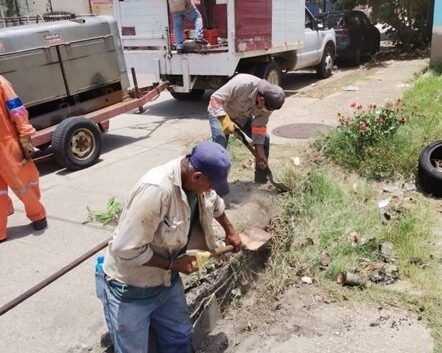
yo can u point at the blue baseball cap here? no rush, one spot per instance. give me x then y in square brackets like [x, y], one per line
[213, 161]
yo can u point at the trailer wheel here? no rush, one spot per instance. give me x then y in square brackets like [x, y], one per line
[325, 68]
[430, 169]
[269, 71]
[194, 95]
[77, 143]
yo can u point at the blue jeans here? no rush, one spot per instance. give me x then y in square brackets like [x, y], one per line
[129, 323]
[220, 138]
[192, 14]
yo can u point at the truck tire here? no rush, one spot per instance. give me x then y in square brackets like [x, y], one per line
[76, 143]
[194, 95]
[430, 169]
[269, 71]
[325, 68]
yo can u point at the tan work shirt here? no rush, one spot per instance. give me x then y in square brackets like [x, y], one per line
[156, 220]
[179, 5]
[237, 99]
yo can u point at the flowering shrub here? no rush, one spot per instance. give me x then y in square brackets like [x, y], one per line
[367, 127]
[366, 140]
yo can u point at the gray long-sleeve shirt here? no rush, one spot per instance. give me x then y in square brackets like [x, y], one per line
[237, 99]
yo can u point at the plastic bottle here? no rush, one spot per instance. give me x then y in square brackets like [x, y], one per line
[99, 264]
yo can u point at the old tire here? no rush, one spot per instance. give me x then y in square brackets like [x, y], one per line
[269, 71]
[77, 143]
[325, 68]
[430, 169]
[194, 95]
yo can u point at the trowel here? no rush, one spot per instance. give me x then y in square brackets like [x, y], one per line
[252, 240]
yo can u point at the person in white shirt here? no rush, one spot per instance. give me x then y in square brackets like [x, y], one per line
[140, 287]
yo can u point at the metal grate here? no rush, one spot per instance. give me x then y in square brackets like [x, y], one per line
[26, 20]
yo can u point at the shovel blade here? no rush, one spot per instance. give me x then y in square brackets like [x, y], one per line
[254, 238]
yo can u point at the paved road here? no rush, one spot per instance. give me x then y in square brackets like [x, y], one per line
[66, 316]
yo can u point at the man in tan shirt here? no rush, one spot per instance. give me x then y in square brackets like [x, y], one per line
[247, 101]
[140, 287]
[180, 10]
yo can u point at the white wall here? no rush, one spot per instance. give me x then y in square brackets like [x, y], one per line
[34, 7]
[77, 6]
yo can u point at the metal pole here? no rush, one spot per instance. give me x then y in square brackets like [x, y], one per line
[30, 292]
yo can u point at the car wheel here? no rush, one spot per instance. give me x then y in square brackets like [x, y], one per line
[356, 57]
[77, 143]
[194, 95]
[325, 68]
[270, 71]
[430, 169]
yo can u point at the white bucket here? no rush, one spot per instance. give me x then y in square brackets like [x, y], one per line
[192, 34]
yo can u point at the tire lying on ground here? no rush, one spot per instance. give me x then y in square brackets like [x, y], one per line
[430, 169]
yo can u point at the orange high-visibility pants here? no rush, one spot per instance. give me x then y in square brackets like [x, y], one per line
[22, 178]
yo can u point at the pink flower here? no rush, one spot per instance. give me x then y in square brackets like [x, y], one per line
[353, 105]
[362, 126]
[381, 121]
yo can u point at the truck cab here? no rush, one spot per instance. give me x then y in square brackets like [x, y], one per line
[319, 49]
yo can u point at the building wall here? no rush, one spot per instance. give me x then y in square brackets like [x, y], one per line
[35, 7]
[436, 44]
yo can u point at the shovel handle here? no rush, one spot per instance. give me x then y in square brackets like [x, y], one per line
[222, 250]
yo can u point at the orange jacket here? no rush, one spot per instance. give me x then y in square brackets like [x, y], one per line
[14, 121]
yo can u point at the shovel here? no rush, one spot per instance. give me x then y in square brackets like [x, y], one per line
[253, 240]
[240, 135]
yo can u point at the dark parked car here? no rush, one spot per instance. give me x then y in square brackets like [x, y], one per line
[356, 36]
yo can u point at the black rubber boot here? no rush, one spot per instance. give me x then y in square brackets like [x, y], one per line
[260, 176]
[40, 225]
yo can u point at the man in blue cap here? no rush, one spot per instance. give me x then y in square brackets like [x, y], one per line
[170, 209]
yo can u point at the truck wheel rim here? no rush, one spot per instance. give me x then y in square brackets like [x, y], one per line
[82, 144]
[328, 63]
[273, 77]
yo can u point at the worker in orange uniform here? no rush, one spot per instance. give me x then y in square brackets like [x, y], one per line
[17, 170]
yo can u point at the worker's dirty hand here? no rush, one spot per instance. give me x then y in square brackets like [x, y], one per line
[185, 264]
[27, 148]
[261, 162]
[227, 125]
[234, 239]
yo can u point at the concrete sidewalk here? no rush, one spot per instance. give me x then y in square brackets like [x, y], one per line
[66, 316]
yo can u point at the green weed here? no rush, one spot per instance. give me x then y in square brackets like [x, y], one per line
[325, 212]
[110, 215]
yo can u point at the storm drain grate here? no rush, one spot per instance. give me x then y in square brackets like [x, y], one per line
[300, 131]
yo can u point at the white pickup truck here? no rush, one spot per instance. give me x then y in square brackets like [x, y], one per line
[261, 37]
[319, 47]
